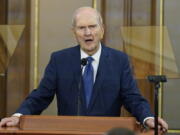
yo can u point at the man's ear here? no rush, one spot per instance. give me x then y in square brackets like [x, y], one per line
[102, 28]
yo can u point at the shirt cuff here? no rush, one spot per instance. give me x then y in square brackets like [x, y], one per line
[144, 121]
[17, 114]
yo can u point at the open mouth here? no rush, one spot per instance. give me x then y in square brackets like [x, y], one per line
[88, 40]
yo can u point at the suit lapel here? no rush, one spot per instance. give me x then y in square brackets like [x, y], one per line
[101, 74]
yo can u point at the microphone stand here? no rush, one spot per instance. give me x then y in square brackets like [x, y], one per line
[156, 79]
[83, 63]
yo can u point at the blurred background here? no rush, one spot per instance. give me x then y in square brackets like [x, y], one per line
[147, 30]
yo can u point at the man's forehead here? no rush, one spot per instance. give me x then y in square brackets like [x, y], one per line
[86, 19]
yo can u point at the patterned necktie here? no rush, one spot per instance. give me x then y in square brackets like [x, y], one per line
[88, 80]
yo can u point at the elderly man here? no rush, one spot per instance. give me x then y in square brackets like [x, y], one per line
[106, 84]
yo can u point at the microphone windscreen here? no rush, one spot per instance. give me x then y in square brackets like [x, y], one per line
[83, 61]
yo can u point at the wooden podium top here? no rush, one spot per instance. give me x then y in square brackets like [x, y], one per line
[70, 125]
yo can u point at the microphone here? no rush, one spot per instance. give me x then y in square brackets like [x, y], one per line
[157, 78]
[83, 63]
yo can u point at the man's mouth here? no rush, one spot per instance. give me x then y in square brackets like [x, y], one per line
[88, 40]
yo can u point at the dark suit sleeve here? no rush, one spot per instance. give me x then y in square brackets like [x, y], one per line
[41, 97]
[132, 99]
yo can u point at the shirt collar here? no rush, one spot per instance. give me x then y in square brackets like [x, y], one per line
[95, 56]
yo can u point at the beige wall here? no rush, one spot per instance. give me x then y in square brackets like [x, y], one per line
[54, 32]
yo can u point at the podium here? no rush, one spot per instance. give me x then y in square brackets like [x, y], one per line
[70, 125]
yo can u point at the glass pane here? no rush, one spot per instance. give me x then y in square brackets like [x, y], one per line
[9, 37]
[142, 43]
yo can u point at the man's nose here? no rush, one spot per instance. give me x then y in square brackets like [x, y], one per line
[87, 31]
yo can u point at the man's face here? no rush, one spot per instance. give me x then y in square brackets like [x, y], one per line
[88, 32]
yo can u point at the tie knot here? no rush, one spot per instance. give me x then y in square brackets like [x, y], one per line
[90, 59]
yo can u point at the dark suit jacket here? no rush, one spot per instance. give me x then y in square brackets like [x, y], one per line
[114, 86]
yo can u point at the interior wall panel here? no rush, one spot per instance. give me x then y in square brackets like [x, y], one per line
[18, 13]
[113, 19]
[3, 60]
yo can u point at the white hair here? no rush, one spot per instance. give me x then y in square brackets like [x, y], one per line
[99, 17]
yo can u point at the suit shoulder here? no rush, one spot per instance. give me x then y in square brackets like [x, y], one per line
[116, 52]
[65, 52]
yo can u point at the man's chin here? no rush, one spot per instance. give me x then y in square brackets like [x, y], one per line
[91, 50]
